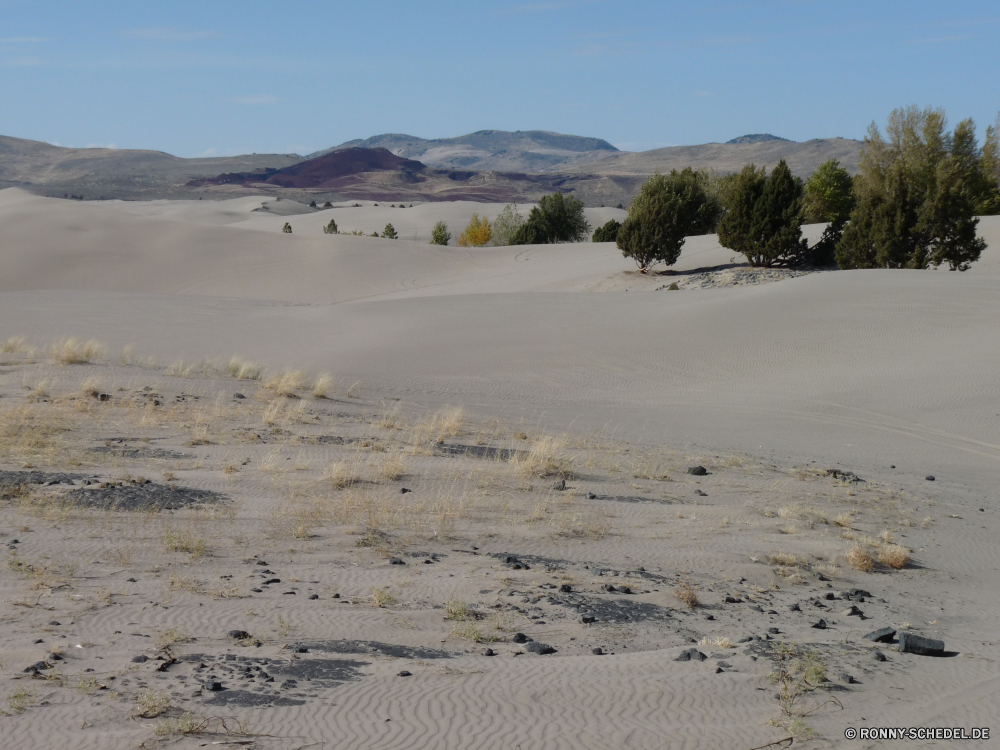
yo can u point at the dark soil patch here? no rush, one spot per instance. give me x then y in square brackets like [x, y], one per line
[136, 454]
[9, 479]
[612, 610]
[374, 648]
[486, 452]
[248, 699]
[151, 496]
[633, 499]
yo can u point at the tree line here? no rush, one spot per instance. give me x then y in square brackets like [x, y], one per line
[913, 204]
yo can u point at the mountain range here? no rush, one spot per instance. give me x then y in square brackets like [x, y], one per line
[488, 165]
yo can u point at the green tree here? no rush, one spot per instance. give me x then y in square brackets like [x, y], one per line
[389, 232]
[667, 209]
[607, 233]
[919, 188]
[331, 228]
[287, 229]
[440, 234]
[829, 198]
[506, 225]
[765, 220]
[556, 218]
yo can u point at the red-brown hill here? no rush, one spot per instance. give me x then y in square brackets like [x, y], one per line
[327, 171]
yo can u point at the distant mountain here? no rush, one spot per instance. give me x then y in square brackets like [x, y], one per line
[490, 150]
[802, 158]
[756, 138]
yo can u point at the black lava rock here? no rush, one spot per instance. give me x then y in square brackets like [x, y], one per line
[882, 635]
[405, 673]
[314, 596]
[587, 619]
[915, 644]
[489, 652]
[238, 635]
[140, 659]
[698, 471]
[539, 648]
[929, 477]
[566, 588]
[396, 561]
[597, 651]
[520, 638]
[213, 687]
[560, 485]
[691, 654]
[878, 656]
[819, 624]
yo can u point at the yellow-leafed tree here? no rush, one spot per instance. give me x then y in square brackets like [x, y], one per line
[477, 233]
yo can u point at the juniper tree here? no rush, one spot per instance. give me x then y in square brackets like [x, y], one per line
[440, 234]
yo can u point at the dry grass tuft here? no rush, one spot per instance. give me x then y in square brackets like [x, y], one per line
[242, 370]
[322, 386]
[844, 520]
[382, 598]
[16, 345]
[719, 641]
[546, 459]
[152, 703]
[784, 559]
[184, 540]
[686, 593]
[893, 555]
[286, 383]
[76, 352]
[860, 559]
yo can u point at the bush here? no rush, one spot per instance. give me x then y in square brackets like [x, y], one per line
[331, 228]
[312, 204]
[556, 218]
[919, 189]
[667, 209]
[506, 225]
[476, 234]
[765, 220]
[440, 234]
[607, 233]
[328, 205]
[287, 229]
[389, 232]
[829, 197]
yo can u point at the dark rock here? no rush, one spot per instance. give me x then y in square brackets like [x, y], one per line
[699, 493]
[821, 577]
[724, 664]
[691, 654]
[287, 593]
[239, 396]
[396, 561]
[625, 589]
[756, 608]
[404, 490]
[314, 596]
[698, 471]
[560, 485]
[262, 562]
[609, 588]
[140, 659]
[37, 667]
[878, 656]
[853, 612]
[520, 638]
[858, 594]
[288, 684]
[257, 591]
[819, 624]
[539, 648]
[335, 596]
[844, 677]
[405, 673]
[830, 596]
[773, 631]
[709, 617]
[587, 619]
[882, 635]
[597, 651]
[238, 635]
[915, 644]
[747, 639]
[55, 623]
[929, 477]
[591, 496]
[213, 687]
[719, 670]
[130, 580]
[566, 588]
[489, 652]
[732, 600]
[300, 650]
[795, 608]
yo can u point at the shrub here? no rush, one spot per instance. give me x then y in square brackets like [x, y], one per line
[440, 234]
[328, 205]
[312, 204]
[765, 220]
[919, 189]
[607, 233]
[667, 209]
[331, 228]
[860, 558]
[556, 218]
[287, 229]
[477, 233]
[389, 232]
[506, 225]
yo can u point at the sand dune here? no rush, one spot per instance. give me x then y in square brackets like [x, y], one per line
[890, 374]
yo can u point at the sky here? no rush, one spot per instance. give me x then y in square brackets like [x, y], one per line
[222, 77]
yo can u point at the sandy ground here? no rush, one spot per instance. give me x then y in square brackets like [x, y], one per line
[567, 365]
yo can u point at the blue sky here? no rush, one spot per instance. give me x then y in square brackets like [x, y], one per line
[226, 76]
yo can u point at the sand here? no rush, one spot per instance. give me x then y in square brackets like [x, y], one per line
[889, 374]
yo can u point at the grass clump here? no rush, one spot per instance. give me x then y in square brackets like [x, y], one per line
[20, 700]
[151, 703]
[860, 559]
[76, 352]
[322, 386]
[184, 541]
[546, 459]
[686, 593]
[286, 383]
[456, 610]
[242, 370]
[894, 555]
[16, 345]
[381, 597]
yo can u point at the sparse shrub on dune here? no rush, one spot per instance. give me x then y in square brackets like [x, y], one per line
[242, 370]
[860, 559]
[331, 228]
[608, 232]
[440, 234]
[76, 352]
[287, 229]
[16, 345]
[322, 386]
[546, 459]
[686, 593]
[389, 233]
[893, 555]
